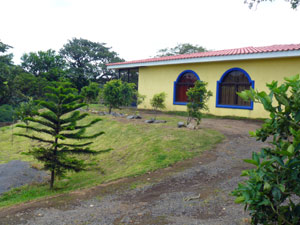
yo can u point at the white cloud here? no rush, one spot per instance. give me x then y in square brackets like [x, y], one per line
[137, 29]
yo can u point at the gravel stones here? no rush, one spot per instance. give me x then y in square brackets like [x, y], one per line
[134, 117]
[155, 121]
[112, 114]
[17, 173]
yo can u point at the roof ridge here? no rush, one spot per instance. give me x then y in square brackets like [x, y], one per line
[224, 52]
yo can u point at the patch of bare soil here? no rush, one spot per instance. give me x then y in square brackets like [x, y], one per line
[195, 191]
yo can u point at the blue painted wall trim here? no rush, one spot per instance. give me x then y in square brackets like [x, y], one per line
[234, 106]
[177, 80]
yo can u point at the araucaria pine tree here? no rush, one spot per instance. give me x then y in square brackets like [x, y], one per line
[60, 122]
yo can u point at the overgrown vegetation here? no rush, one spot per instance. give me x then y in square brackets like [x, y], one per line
[272, 190]
[60, 123]
[197, 101]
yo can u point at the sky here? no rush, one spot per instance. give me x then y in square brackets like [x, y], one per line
[137, 29]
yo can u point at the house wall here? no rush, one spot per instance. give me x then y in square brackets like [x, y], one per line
[158, 79]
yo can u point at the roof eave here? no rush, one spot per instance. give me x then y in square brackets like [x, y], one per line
[266, 55]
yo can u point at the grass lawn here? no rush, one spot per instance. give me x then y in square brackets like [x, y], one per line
[137, 148]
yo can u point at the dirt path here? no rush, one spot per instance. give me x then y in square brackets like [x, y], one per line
[192, 192]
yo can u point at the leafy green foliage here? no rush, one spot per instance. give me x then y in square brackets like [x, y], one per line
[45, 64]
[26, 85]
[5, 72]
[184, 48]
[140, 98]
[87, 61]
[116, 93]
[60, 123]
[6, 113]
[26, 109]
[251, 3]
[90, 92]
[158, 102]
[269, 193]
[197, 101]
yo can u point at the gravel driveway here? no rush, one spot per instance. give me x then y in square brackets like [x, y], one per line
[196, 191]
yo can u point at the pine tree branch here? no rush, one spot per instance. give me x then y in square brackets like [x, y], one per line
[71, 98]
[76, 135]
[52, 97]
[50, 116]
[92, 136]
[74, 145]
[34, 138]
[74, 118]
[79, 151]
[70, 127]
[74, 107]
[49, 105]
[42, 122]
[35, 129]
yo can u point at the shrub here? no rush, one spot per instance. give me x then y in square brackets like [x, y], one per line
[116, 93]
[270, 191]
[90, 93]
[197, 99]
[158, 102]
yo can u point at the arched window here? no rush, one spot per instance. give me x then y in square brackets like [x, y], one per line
[233, 80]
[184, 81]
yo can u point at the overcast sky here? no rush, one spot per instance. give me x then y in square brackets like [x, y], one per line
[137, 29]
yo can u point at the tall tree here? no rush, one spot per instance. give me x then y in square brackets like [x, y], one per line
[26, 85]
[45, 64]
[251, 3]
[87, 61]
[8, 71]
[59, 123]
[179, 49]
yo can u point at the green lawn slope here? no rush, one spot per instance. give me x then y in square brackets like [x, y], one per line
[137, 148]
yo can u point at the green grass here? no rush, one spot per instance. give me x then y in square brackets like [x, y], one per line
[137, 149]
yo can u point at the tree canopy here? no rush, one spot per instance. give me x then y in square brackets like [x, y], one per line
[179, 49]
[6, 74]
[86, 61]
[46, 64]
[251, 3]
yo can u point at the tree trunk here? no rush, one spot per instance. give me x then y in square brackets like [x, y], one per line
[109, 109]
[52, 179]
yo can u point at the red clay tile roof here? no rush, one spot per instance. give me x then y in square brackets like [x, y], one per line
[236, 51]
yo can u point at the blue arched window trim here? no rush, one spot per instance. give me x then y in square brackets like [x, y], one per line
[221, 80]
[175, 84]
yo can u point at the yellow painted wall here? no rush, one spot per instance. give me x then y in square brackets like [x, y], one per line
[156, 79]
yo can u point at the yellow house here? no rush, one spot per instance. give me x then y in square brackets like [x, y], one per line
[226, 71]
